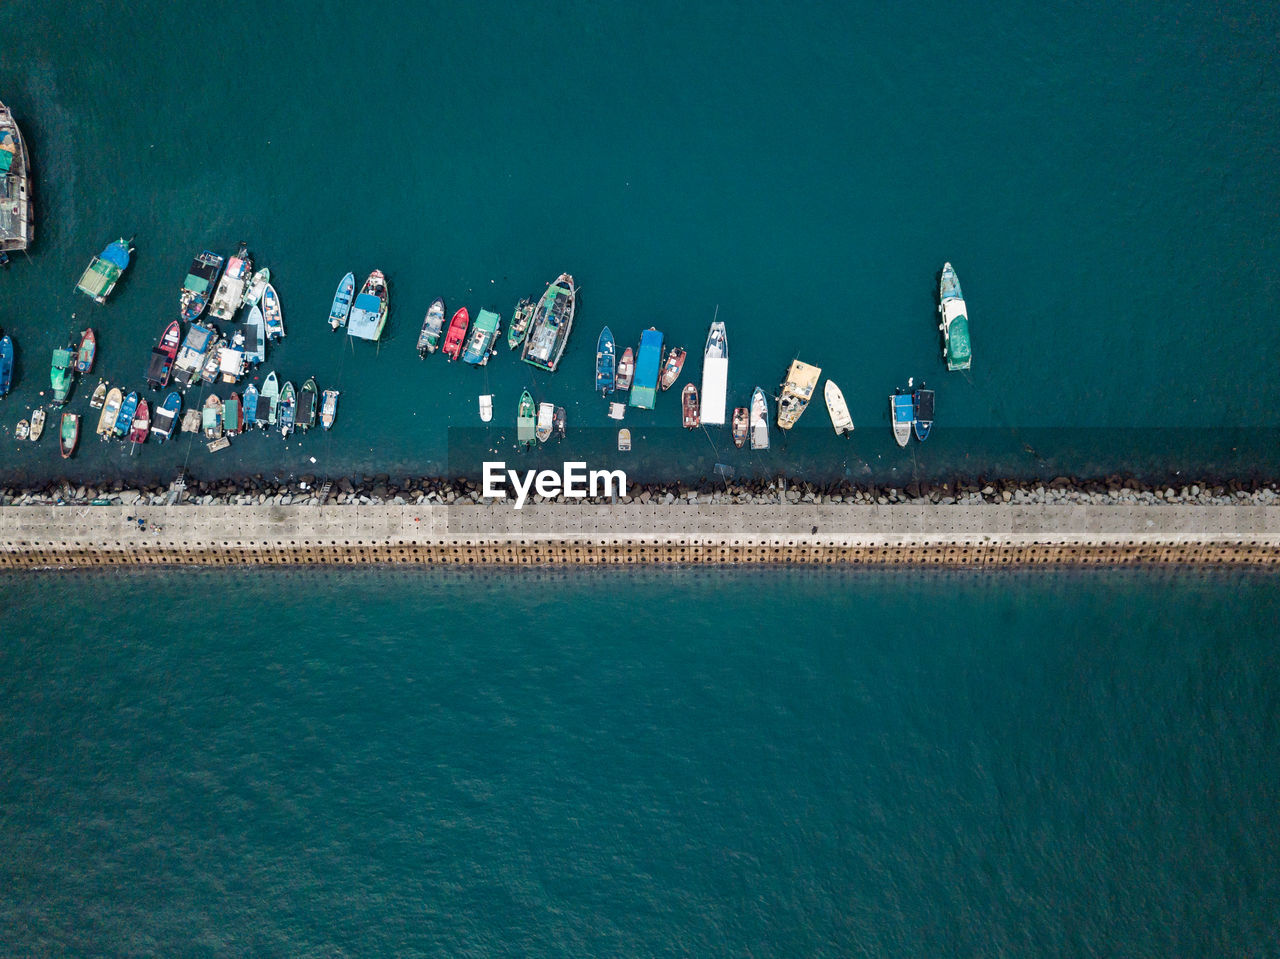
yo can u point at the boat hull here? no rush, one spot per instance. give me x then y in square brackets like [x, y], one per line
[551, 325]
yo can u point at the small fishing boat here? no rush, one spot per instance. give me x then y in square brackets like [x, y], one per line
[922, 413]
[218, 445]
[797, 391]
[432, 328]
[560, 421]
[105, 271]
[903, 413]
[124, 420]
[6, 364]
[617, 411]
[546, 421]
[68, 435]
[37, 423]
[648, 367]
[99, 395]
[741, 420]
[61, 375]
[308, 398]
[22, 431]
[369, 311]
[140, 426]
[167, 416]
[551, 324]
[838, 409]
[520, 323]
[110, 411]
[689, 402]
[249, 411]
[672, 367]
[255, 336]
[232, 415]
[213, 360]
[231, 361]
[526, 432]
[198, 286]
[341, 307]
[17, 228]
[268, 402]
[211, 417]
[272, 315]
[624, 440]
[956, 349]
[480, 342]
[759, 420]
[626, 370]
[457, 333]
[605, 359]
[329, 409]
[715, 375]
[288, 409]
[258, 286]
[160, 367]
[87, 351]
[191, 357]
[231, 288]
[486, 407]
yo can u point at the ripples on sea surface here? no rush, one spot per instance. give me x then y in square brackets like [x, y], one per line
[680, 762]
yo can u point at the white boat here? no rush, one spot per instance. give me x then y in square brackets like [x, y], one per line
[903, 413]
[617, 410]
[624, 440]
[257, 287]
[232, 286]
[22, 430]
[956, 349]
[715, 376]
[546, 420]
[486, 407]
[37, 424]
[839, 410]
[797, 391]
[759, 420]
[272, 314]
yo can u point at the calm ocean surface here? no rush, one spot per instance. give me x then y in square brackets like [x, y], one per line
[1104, 177]
[689, 762]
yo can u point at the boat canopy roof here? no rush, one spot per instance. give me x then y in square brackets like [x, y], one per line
[715, 388]
[117, 254]
[62, 358]
[903, 408]
[487, 320]
[644, 386]
[924, 404]
[958, 349]
[8, 150]
[366, 317]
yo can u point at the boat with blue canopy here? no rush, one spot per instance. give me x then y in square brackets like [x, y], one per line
[644, 388]
[105, 271]
[369, 311]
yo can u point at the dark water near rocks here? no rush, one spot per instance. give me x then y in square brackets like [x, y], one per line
[1104, 179]
[688, 762]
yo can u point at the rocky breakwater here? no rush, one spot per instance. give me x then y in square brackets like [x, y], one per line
[310, 490]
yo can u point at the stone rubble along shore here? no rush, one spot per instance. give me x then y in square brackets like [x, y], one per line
[381, 490]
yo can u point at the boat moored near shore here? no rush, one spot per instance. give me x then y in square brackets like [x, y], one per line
[715, 376]
[198, 286]
[797, 391]
[922, 413]
[369, 311]
[759, 420]
[605, 362]
[232, 286]
[551, 324]
[341, 307]
[432, 329]
[17, 220]
[838, 410]
[955, 321]
[902, 413]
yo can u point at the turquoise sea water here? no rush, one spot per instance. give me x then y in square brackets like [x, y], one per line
[1104, 179]
[773, 763]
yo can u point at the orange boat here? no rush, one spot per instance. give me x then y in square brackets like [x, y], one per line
[457, 334]
[692, 418]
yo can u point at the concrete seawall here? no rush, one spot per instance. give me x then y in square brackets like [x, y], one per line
[87, 536]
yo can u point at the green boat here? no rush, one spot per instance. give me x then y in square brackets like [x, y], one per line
[484, 331]
[60, 374]
[955, 321]
[306, 415]
[103, 273]
[526, 426]
[520, 323]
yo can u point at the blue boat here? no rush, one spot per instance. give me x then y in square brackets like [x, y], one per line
[250, 406]
[644, 390]
[166, 418]
[341, 308]
[124, 419]
[605, 362]
[6, 364]
[104, 272]
[288, 409]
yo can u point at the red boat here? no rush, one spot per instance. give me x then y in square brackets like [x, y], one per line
[84, 356]
[457, 334]
[692, 415]
[141, 423]
[162, 356]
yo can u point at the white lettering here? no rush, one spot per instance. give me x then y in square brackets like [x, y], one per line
[608, 476]
[548, 483]
[575, 479]
[522, 492]
[493, 475]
